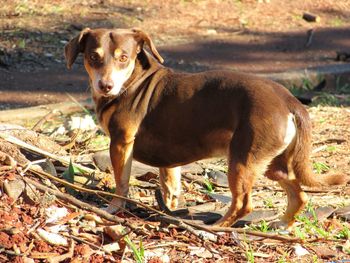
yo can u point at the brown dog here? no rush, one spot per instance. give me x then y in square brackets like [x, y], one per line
[168, 119]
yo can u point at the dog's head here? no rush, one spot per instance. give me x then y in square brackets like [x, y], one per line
[109, 56]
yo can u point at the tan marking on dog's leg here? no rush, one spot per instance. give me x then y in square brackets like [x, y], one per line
[297, 200]
[121, 157]
[170, 181]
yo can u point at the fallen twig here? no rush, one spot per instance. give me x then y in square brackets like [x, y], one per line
[167, 218]
[260, 234]
[184, 224]
[76, 202]
[39, 123]
[32, 148]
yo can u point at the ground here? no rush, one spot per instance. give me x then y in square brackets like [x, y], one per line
[252, 36]
[261, 37]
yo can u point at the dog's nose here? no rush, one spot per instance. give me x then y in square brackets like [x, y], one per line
[105, 86]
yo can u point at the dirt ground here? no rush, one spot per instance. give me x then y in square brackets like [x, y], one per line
[252, 36]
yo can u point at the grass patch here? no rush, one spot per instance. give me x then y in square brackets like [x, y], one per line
[208, 186]
[263, 226]
[268, 203]
[337, 22]
[320, 167]
[311, 226]
[138, 253]
[331, 148]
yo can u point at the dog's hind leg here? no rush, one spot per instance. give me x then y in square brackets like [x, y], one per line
[170, 181]
[247, 159]
[240, 179]
[280, 171]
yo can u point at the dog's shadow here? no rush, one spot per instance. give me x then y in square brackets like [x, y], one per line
[207, 213]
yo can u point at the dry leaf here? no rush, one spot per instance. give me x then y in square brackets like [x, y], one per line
[54, 214]
[300, 251]
[93, 217]
[111, 247]
[114, 232]
[52, 238]
[200, 252]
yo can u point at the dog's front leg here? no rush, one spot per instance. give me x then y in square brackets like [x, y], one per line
[170, 181]
[121, 157]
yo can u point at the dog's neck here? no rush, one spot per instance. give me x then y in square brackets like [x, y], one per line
[145, 66]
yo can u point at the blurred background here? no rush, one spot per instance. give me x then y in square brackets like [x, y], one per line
[257, 36]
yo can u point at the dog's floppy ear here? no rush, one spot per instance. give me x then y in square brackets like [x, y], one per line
[74, 47]
[142, 38]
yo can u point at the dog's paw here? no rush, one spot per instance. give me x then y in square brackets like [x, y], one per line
[281, 225]
[115, 205]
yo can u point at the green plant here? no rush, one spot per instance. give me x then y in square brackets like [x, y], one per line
[138, 253]
[342, 88]
[337, 21]
[262, 227]
[250, 255]
[99, 142]
[344, 233]
[325, 99]
[311, 225]
[283, 258]
[331, 148]
[68, 175]
[320, 167]
[298, 233]
[22, 43]
[306, 85]
[24, 7]
[268, 203]
[208, 185]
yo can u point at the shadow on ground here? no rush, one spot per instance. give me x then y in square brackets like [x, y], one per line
[33, 76]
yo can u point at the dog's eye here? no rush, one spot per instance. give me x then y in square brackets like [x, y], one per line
[123, 58]
[94, 57]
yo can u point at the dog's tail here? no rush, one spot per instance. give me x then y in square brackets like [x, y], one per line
[301, 154]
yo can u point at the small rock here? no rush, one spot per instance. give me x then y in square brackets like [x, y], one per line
[207, 236]
[221, 198]
[7, 160]
[256, 216]
[343, 213]
[211, 32]
[103, 161]
[14, 188]
[219, 178]
[324, 252]
[300, 251]
[321, 213]
[48, 167]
